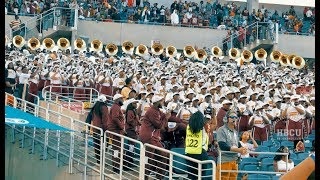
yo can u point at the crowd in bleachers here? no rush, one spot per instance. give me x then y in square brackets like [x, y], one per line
[189, 14]
[265, 99]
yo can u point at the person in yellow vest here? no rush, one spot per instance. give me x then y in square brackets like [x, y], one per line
[197, 141]
[126, 89]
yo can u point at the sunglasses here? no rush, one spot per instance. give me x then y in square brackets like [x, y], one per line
[233, 117]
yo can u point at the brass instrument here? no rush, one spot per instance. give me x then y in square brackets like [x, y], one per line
[189, 51]
[63, 43]
[33, 43]
[298, 62]
[290, 58]
[96, 45]
[284, 60]
[141, 50]
[216, 52]
[201, 55]
[234, 53]
[260, 54]
[127, 47]
[171, 51]
[246, 55]
[275, 56]
[157, 49]
[79, 44]
[111, 49]
[18, 41]
[48, 44]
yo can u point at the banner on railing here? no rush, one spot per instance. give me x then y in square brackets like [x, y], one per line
[74, 106]
[17, 117]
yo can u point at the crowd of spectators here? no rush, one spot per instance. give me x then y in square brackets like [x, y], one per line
[188, 14]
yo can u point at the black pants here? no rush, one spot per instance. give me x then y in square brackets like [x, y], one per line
[202, 157]
[20, 90]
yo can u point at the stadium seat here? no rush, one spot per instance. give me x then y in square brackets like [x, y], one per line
[248, 161]
[179, 162]
[273, 149]
[262, 156]
[262, 149]
[275, 177]
[265, 163]
[293, 156]
[303, 156]
[289, 144]
[308, 145]
[264, 177]
[297, 161]
[250, 167]
[270, 168]
[252, 176]
[267, 143]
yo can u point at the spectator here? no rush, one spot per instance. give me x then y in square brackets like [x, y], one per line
[280, 161]
[145, 16]
[174, 18]
[162, 15]
[10, 79]
[308, 14]
[244, 137]
[174, 6]
[227, 138]
[197, 141]
[15, 26]
[292, 11]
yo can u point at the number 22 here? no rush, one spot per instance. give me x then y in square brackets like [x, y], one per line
[193, 143]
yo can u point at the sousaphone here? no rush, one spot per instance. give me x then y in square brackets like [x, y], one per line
[96, 45]
[275, 56]
[234, 53]
[48, 44]
[246, 55]
[201, 55]
[298, 62]
[189, 51]
[34, 43]
[171, 51]
[111, 49]
[63, 43]
[18, 41]
[260, 54]
[141, 50]
[79, 44]
[284, 60]
[157, 49]
[127, 47]
[216, 52]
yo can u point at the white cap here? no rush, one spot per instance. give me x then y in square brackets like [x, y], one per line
[258, 106]
[286, 96]
[201, 80]
[312, 98]
[226, 102]
[243, 96]
[132, 100]
[172, 124]
[295, 97]
[117, 96]
[186, 100]
[172, 106]
[195, 98]
[229, 92]
[277, 100]
[102, 98]
[156, 98]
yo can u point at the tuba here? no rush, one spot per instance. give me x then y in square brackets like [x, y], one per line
[234, 53]
[290, 58]
[18, 41]
[79, 44]
[201, 55]
[260, 54]
[284, 60]
[34, 43]
[48, 44]
[63, 43]
[127, 47]
[141, 50]
[216, 52]
[171, 51]
[96, 45]
[189, 51]
[275, 56]
[246, 55]
[157, 49]
[111, 49]
[298, 62]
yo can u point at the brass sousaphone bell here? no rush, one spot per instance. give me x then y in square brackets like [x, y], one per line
[275, 56]
[63, 43]
[260, 54]
[157, 49]
[189, 51]
[216, 52]
[48, 44]
[201, 55]
[246, 55]
[34, 43]
[290, 59]
[127, 47]
[298, 62]
[234, 53]
[111, 49]
[96, 45]
[284, 60]
[141, 50]
[80, 45]
[171, 51]
[18, 41]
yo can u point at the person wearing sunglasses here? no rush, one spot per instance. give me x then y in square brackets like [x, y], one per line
[228, 140]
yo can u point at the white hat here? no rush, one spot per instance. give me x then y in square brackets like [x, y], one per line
[277, 100]
[301, 99]
[226, 102]
[207, 116]
[229, 92]
[132, 100]
[195, 98]
[236, 90]
[172, 106]
[243, 96]
[258, 106]
[186, 100]
[201, 80]
[312, 98]
[295, 97]
[156, 98]
[102, 98]
[117, 96]
[172, 124]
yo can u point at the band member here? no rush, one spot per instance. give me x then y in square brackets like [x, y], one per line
[259, 123]
[56, 80]
[243, 113]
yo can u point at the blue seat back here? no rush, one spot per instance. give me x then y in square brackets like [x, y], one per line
[303, 156]
[178, 162]
[248, 161]
[250, 167]
[289, 144]
[265, 163]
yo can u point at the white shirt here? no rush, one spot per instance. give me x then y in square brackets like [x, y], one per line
[248, 146]
[293, 114]
[118, 82]
[282, 166]
[309, 13]
[258, 121]
[185, 114]
[23, 78]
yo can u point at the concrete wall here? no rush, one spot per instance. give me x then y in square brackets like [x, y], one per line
[176, 36]
[294, 44]
[9, 18]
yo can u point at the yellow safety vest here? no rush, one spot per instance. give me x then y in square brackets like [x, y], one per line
[194, 142]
